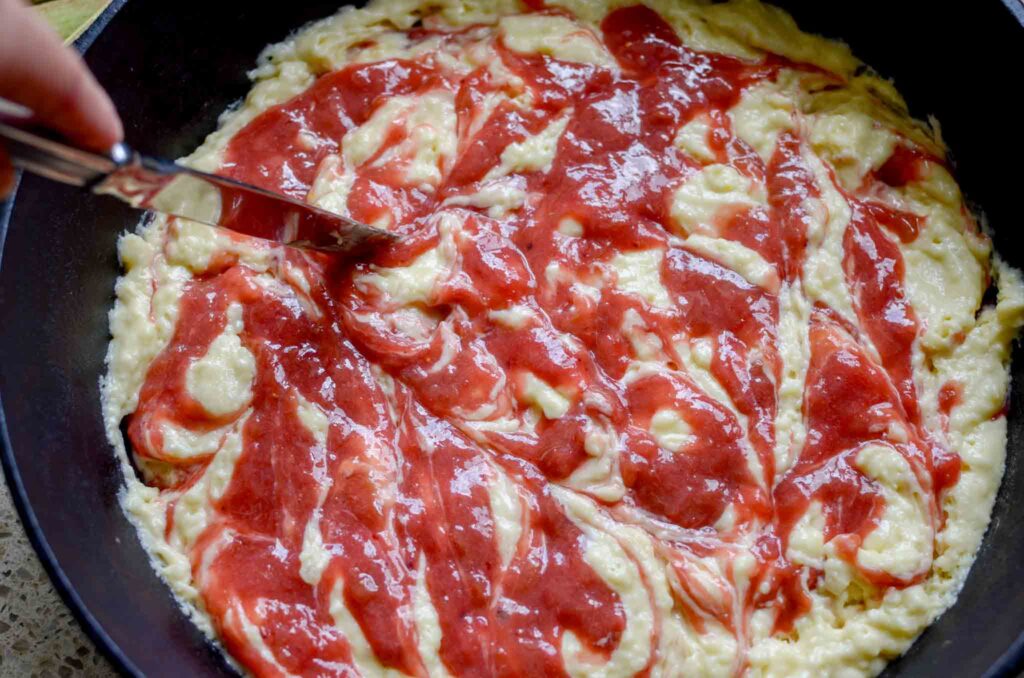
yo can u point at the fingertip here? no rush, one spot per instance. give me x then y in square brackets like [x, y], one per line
[88, 115]
[6, 176]
[114, 128]
[107, 128]
[117, 127]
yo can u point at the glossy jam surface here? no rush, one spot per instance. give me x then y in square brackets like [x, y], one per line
[318, 555]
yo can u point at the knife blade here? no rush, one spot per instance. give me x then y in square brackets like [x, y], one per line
[150, 183]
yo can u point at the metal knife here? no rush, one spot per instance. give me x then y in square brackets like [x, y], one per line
[154, 184]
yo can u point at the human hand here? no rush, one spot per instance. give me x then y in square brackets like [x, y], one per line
[40, 73]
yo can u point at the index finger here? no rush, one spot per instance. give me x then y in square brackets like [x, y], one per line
[39, 72]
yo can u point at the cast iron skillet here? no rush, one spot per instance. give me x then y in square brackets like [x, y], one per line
[172, 67]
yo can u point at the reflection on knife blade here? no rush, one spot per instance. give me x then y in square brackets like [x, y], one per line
[146, 183]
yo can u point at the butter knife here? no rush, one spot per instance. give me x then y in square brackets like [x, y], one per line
[148, 183]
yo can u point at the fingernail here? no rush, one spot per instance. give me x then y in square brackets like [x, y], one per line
[117, 127]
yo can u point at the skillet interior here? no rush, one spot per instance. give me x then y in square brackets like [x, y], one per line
[171, 68]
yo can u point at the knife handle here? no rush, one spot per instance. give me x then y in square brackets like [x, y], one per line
[57, 160]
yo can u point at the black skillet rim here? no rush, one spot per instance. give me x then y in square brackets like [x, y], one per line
[1009, 664]
[96, 633]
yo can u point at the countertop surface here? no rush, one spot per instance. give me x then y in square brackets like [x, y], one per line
[38, 636]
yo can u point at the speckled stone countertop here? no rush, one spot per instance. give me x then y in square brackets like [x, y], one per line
[38, 636]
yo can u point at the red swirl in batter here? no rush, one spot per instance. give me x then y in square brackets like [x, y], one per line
[402, 478]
